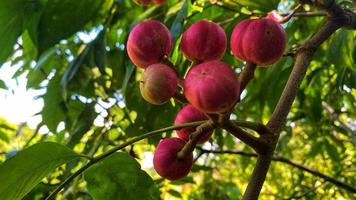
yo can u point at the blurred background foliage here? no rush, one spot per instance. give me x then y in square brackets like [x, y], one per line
[74, 51]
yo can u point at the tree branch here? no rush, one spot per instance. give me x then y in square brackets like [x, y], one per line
[246, 75]
[288, 162]
[195, 136]
[338, 18]
[258, 127]
[115, 149]
[258, 145]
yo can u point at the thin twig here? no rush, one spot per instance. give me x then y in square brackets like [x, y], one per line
[288, 162]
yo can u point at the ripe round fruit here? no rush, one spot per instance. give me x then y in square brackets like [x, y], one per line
[158, 83]
[261, 41]
[212, 87]
[190, 114]
[148, 43]
[165, 160]
[203, 41]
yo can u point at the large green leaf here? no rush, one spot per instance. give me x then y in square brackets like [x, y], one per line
[11, 20]
[22, 172]
[53, 112]
[119, 177]
[63, 18]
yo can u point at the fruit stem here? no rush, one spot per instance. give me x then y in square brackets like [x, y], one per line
[290, 15]
[199, 132]
[246, 75]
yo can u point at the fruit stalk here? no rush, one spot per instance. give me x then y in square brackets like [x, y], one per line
[190, 145]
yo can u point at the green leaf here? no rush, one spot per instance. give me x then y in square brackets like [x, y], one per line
[115, 60]
[100, 52]
[262, 5]
[73, 68]
[174, 193]
[177, 26]
[3, 85]
[53, 112]
[82, 124]
[332, 151]
[11, 21]
[22, 172]
[48, 61]
[341, 49]
[119, 177]
[63, 18]
[4, 137]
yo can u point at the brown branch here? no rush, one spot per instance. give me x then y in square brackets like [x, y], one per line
[308, 14]
[195, 136]
[258, 127]
[288, 162]
[290, 15]
[260, 146]
[337, 18]
[246, 75]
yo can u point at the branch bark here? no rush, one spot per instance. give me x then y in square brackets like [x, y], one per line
[337, 18]
[246, 75]
[288, 162]
[260, 146]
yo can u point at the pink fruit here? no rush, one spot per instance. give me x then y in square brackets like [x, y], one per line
[190, 114]
[203, 41]
[212, 87]
[148, 43]
[165, 160]
[158, 83]
[261, 41]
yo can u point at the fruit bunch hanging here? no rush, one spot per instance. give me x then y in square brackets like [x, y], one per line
[210, 86]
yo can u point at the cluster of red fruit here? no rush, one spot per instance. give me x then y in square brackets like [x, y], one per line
[147, 2]
[211, 86]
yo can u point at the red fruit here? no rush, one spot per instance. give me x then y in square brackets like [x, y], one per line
[190, 114]
[148, 43]
[203, 41]
[158, 83]
[142, 2]
[165, 160]
[211, 87]
[261, 41]
[159, 1]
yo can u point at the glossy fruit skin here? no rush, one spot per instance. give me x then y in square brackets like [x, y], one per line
[203, 41]
[148, 43]
[260, 41]
[190, 114]
[158, 83]
[165, 160]
[212, 87]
